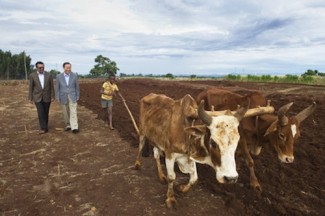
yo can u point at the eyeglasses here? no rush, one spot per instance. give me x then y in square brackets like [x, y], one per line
[40, 67]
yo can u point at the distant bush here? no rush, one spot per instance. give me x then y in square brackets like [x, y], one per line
[307, 79]
[169, 75]
[321, 74]
[193, 76]
[233, 77]
[253, 78]
[266, 78]
[291, 78]
[276, 79]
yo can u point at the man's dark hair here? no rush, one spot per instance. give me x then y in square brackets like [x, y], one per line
[38, 63]
[65, 63]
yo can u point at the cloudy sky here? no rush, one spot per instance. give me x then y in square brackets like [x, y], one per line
[208, 37]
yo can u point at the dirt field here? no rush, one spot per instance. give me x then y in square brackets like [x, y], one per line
[91, 173]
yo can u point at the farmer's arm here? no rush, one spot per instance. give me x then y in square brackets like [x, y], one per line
[118, 92]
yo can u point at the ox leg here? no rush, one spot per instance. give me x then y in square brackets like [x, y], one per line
[161, 175]
[250, 163]
[141, 145]
[188, 167]
[170, 201]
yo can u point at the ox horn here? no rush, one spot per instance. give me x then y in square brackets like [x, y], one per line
[242, 111]
[203, 115]
[283, 119]
[306, 112]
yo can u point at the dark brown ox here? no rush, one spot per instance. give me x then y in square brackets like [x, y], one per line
[280, 130]
[166, 123]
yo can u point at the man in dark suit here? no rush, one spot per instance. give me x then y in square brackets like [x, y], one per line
[67, 93]
[41, 93]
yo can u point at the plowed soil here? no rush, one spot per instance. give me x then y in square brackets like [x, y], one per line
[91, 173]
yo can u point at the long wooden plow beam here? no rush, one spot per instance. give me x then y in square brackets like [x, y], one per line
[250, 112]
[131, 116]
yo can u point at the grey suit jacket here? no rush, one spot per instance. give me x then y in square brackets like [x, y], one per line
[36, 93]
[63, 90]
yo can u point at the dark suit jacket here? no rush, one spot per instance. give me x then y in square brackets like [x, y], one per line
[36, 93]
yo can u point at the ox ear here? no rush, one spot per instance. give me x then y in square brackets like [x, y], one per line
[198, 152]
[197, 131]
[273, 127]
[189, 106]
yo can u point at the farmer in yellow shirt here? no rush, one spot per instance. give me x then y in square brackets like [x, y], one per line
[109, 89]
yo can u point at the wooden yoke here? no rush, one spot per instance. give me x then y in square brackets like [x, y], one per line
[250, 112]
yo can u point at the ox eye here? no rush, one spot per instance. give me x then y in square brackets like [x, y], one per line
[282, 136]
[213, 143]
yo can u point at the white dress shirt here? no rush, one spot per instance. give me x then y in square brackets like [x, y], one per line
[41, 78]
[67, 78]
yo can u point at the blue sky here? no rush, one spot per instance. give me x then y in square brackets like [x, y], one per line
[203, 37]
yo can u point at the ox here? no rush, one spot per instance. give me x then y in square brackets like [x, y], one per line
[279, 130]
[166, 123]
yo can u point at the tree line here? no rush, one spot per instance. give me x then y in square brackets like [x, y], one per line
[14, 66]
[18, 66]
[309, 77]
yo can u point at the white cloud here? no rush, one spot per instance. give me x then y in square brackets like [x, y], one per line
[176, 36]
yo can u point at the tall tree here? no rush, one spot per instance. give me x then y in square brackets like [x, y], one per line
[14, 66]
[104, 66]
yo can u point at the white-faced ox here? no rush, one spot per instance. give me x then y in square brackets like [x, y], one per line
[166, 123]
[280, 130]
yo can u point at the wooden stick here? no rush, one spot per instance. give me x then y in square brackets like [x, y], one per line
[250, 112]
[130, 114]
[59, 172]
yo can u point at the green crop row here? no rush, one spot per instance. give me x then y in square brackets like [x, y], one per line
[287, 78]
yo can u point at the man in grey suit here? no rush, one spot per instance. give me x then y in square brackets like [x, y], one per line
[67, 93]
[41, 93]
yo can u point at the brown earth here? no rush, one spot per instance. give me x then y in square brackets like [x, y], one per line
[91, 173]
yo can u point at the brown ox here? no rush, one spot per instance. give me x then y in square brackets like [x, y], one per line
[167, 124]
[279, 130]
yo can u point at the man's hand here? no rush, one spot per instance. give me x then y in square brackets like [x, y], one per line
[52, 99]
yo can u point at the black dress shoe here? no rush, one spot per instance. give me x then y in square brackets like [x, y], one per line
[42, 131]
[75, 131]
[67, 128]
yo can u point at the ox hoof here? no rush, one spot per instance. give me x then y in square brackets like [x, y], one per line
[183, 188]
[137, 165]
[171, 203]
[163, 179]
[257, 187]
